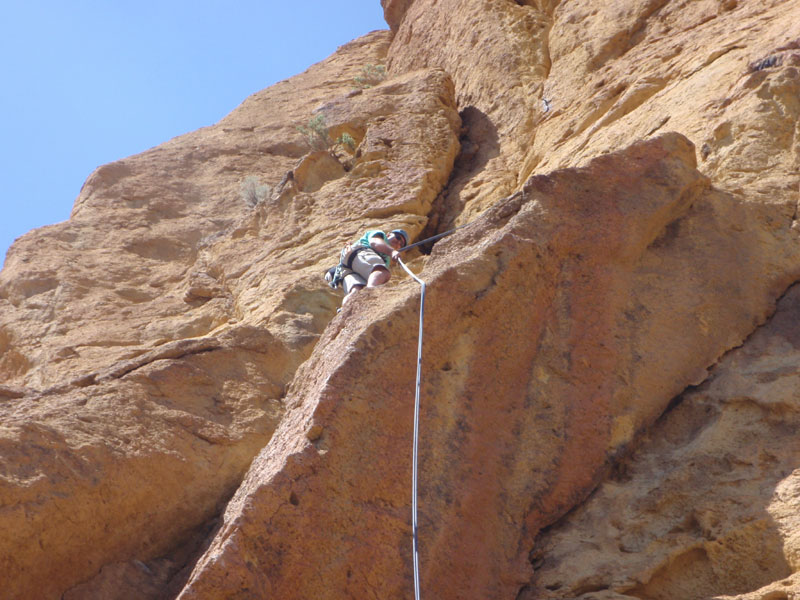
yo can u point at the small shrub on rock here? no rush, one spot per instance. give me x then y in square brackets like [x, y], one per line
[315, 133]
[252, 191]
[370, 75]
[348, 141]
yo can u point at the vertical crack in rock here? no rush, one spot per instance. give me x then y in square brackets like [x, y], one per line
[156, 579]
[498, 56]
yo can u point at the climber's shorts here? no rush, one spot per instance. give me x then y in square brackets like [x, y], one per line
[352, 279]
[365, 262]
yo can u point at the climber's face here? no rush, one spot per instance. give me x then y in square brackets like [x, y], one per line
[395, 241]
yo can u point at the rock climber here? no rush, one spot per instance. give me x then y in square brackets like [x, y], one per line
[366, 262]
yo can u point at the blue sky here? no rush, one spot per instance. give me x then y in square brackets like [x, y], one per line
[85, 83]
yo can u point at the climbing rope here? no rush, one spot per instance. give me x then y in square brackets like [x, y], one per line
[430, 239]
[415, 540]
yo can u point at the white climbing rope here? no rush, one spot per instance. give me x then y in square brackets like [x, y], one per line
[415, 545]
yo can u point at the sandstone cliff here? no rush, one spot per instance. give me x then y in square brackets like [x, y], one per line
[609, 403]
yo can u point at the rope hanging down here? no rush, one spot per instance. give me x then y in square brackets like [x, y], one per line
[416, 431]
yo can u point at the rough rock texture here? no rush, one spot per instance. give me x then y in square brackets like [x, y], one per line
[147, 342]
[544, 84]
[498, 55]
[539, 375]
[709, 503]
[629, 173]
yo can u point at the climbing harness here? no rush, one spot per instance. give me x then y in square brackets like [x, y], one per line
[415, 545]
[335, 275]
[349, 253]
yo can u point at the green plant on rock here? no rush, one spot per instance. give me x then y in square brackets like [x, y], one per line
[348, 141]
[315, 133]
[370, 75]
[252, 191]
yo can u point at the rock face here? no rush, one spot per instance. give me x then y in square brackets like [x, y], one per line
[539, 378]
[148, 341]
[608, 401]
[708, 503]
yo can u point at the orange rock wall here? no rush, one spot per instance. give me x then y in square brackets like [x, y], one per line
[183, 413]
